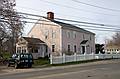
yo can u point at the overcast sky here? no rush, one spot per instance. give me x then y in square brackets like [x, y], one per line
[69, 9]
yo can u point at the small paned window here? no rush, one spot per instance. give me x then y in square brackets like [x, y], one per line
[53, 48]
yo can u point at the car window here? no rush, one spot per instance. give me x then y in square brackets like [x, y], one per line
[22, 56]
[25, 56]
[30, 56]
[14, 56]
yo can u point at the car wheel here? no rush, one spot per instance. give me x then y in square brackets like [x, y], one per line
[8, 64]
[16, 66]
[29, 65]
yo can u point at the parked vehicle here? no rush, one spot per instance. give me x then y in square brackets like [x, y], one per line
[21, 60]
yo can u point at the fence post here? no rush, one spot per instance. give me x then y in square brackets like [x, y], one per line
[100, 56]
[93, 55]
[75, 57]
[111, 56]
[63, 58]
[51, 59]
[84, 56]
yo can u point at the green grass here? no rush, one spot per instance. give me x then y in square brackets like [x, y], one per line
[41, 61]
[6, 55]
[73, 63]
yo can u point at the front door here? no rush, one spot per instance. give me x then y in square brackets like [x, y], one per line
[83, 49]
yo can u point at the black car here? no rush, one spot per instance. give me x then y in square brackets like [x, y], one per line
[21, 60]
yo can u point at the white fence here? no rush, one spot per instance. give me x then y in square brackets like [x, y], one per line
[80, 57]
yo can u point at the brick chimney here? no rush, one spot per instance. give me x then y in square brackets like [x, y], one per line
[50, 15]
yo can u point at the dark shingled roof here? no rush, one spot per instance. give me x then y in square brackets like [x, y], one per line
[33, 40]
[72, 26]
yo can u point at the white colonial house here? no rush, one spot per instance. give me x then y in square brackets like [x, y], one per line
[59, 37]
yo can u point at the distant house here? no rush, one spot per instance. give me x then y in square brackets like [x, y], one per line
[62, 37]
[31, 45]
[112, 49]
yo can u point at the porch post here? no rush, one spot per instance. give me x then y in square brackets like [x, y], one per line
[27, 50]
[16, 49]
[85, 49]
[21, 49]
[51, 59]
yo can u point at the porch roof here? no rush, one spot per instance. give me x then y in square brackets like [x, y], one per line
[84, 42]
[33, 40]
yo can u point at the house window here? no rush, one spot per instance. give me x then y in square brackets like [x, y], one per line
[53, 34]
[46, 34]
[83, 36]
[53, 48]
[74, 34]
[75, 48]
[18, 49]
[90, 37]
[35, 50]
[23, 49]
[68, 48]
[68, 34]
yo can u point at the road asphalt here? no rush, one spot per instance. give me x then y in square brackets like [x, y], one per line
[108, 69]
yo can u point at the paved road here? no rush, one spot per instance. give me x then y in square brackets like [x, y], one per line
[99, 70]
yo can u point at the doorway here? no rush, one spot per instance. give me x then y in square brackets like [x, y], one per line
[83, 49]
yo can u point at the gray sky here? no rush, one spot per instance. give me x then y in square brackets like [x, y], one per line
[69, 9]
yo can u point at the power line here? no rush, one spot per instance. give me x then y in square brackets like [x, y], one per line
[101, 24]
[73, 24]
[39, 20]
[111, 30]
[64, 20]
[96, 27]
[103, 30]
[96, 6]
[86, 26]
[78, 8]
[91, 23]
[58, 13]
[30, 14]
[93, 27]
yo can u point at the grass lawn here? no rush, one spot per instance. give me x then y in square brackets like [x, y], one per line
[41, 61]
[6, 55]
[76, 62]
[44, 62]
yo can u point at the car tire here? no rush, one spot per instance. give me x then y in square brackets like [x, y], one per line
[29, 65]
[16, 66]
[8, 64]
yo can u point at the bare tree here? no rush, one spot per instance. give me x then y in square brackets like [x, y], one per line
[115, 40]
[11, 25]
